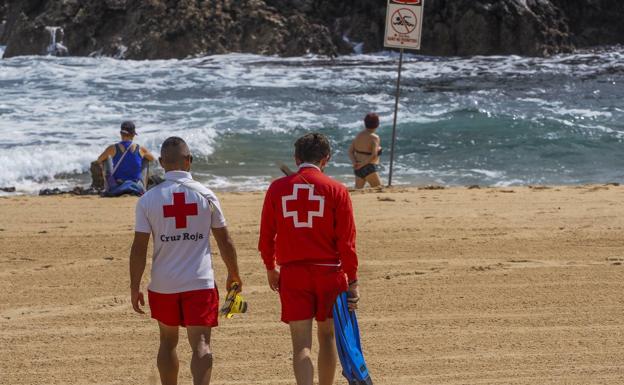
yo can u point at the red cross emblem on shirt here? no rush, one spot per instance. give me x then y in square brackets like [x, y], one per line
[304, 208]
[180, 210]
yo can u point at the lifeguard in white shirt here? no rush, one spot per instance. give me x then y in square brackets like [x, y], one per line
[180, 214]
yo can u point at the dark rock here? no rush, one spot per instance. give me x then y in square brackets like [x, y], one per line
[117, 5]
[78, 190]
[162, 29]
[97, 176]
[24, 37]
[158, 29]
[4, 8]
[594, 22]
[7, 189]
[154, 180]
[466, 27]
[51, 191]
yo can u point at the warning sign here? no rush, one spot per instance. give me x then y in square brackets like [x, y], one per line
[404, 24]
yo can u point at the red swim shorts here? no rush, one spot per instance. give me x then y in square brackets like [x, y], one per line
[189, 308]
[310, 291]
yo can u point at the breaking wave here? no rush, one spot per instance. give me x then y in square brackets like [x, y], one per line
[482, 120]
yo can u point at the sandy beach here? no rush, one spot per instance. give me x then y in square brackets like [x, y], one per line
[480, 286]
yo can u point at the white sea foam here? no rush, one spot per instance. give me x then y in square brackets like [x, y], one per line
[57, 114]
[27, 166]
[582, 113]
[489, 173]
[237, 183]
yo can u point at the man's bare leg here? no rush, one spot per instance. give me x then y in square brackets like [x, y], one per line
[301, 334]
[328, 356]
[201, 362]
[359, 182]
[167, 360]
[374, 180]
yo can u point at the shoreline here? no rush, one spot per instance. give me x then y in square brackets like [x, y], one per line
[80, 190]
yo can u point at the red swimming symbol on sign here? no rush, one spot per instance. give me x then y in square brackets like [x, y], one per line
[404, 21]
[180, 210]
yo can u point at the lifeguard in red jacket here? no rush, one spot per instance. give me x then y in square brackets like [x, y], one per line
[308, 230]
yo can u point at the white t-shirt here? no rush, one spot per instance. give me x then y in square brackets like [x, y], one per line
[179, 218]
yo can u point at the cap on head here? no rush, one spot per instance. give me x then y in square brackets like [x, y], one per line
[312, 148]
[128, 128]
[371, 120]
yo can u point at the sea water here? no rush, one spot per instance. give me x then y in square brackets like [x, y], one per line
[502, 120]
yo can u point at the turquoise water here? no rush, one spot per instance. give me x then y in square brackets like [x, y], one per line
[483, 120]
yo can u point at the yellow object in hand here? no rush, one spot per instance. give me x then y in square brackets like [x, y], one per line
[234, 303]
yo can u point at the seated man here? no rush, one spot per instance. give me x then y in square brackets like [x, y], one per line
[123, 163]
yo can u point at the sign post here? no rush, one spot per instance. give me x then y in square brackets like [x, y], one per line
[403, 30]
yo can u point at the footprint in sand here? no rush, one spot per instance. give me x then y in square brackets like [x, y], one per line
[482, 268]
[596, 188]
[614, 261]
[404, 274]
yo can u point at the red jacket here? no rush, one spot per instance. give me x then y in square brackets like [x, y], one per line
[308, 217]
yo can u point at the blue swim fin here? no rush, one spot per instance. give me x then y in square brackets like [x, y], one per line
[348, 343]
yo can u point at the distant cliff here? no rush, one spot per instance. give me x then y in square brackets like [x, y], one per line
[160, 29]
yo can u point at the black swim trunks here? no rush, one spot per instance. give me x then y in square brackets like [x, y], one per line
[366, 170]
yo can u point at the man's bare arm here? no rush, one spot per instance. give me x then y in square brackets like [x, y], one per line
[110, 151]
[228, 254]
[147, 155]
[351, 153]
[138, 257]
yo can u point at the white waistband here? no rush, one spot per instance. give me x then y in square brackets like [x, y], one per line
[328, 264]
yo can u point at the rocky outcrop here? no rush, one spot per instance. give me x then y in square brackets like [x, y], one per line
[594, 22]
[533, 28]
[461, 27]
[161, 29]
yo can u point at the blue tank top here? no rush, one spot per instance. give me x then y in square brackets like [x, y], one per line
[131, 165]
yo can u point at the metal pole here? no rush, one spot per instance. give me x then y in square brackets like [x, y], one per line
[396, 110]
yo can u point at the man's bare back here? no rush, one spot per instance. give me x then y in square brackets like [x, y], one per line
[366, 146]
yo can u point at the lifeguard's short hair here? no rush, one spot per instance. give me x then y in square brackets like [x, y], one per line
[174, 150]
[312, 148]
[371, 120]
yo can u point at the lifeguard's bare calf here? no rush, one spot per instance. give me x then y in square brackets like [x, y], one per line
[180, 214]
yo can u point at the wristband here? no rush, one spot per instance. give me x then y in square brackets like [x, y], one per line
[353, 282]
